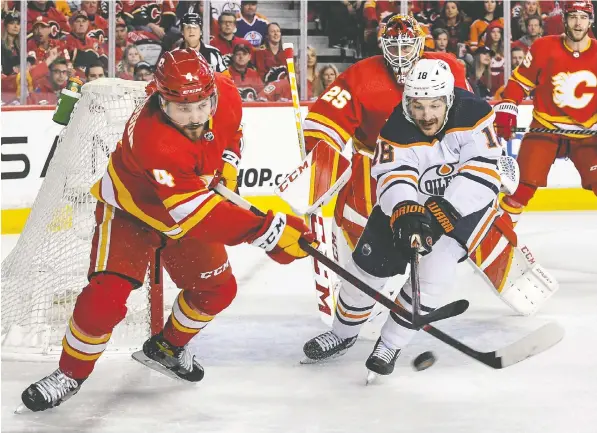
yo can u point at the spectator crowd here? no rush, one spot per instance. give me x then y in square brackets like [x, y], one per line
[70, 38]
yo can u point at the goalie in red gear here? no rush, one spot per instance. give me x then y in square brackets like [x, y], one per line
[562, 72]
[155, 196]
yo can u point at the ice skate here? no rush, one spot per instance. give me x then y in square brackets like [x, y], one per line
[381, 361]
[49, 392]
[326, 346]
[173, 361]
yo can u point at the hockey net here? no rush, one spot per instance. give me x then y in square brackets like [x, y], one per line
[45, 272]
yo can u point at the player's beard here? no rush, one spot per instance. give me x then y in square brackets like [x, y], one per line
[429, 127]
[570, 34]
[193, 131]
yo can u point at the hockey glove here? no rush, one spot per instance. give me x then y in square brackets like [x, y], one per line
[505, 119]
[443, 216]
[279, 237]
[411, 225]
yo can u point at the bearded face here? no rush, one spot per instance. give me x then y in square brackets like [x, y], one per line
[577, 25]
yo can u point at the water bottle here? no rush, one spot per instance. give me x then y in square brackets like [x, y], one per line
[67, 100]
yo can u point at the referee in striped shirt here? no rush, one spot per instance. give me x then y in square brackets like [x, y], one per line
[191, 33]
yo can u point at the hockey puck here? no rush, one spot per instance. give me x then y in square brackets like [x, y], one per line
[424, 361]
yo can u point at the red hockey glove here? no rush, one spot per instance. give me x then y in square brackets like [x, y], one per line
[505, 119]
[279, 237]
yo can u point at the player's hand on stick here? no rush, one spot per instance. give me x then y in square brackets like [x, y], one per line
[443, 216]
[410, 222]
[506, 113]
[279, 237]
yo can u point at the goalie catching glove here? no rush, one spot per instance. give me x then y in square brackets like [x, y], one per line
[418, 226]
[279, 237]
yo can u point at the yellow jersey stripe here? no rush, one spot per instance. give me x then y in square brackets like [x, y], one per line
[329, 123]
[128, 204]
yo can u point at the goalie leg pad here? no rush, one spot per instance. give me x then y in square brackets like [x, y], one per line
[375, 252]
[528, 284]
[512, 271]
[99, 308]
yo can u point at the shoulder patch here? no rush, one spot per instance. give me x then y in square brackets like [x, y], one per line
[269, 88]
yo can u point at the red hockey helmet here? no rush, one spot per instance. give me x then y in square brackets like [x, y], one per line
[579, 6]
[402, 43]
[184, 76]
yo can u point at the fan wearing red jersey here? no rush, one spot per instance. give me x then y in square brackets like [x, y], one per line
[356, 105]
[561, 70]
[155, 196]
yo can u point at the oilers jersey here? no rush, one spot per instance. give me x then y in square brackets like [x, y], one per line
[459, 163]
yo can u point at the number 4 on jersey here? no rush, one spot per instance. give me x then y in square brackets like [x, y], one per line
[163, 178]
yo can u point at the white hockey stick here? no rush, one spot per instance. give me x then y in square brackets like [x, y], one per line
[323, 283]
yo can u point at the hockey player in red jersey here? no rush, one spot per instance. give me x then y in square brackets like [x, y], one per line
[357, 104]
[155, 195]
[561, 70]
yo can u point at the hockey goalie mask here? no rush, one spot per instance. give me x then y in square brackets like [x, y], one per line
[402, 43]
[428, 95]
[187, 88]
[578, 18]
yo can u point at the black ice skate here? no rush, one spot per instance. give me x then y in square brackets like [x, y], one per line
[325, 346]
[381, 361]
[49, 392]
[173, 361]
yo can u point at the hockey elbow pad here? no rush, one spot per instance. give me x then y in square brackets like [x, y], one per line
[443, 216]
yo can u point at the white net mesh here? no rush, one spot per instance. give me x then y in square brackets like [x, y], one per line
[47, 269]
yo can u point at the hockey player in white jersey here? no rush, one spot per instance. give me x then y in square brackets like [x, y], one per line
[436, 129]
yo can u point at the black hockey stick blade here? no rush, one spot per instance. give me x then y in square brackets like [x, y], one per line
[444, 312]
[532, 344]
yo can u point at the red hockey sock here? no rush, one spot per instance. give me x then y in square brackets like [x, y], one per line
[192, 311]
[99, 308]
[185, 321]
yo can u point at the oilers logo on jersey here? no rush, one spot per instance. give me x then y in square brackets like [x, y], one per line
[436, 179]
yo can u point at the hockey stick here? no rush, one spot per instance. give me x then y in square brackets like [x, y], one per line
[416, 289]
[534, 343]
[558, 131]
[323, 283]
[444, 312]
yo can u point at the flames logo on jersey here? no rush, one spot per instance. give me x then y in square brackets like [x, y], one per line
[566, 89]
[436, 179]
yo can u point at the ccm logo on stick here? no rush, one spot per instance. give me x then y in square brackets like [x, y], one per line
[293, 176]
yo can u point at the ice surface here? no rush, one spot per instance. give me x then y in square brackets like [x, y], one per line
[254, 382]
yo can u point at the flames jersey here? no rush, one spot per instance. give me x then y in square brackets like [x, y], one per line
[564, 84]
[358, 103]
[463, 157]
[160, 176]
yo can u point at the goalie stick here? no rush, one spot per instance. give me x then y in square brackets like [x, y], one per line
[323, 283]
[532, 344]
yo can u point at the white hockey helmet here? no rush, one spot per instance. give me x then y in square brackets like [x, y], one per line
[428, 79]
